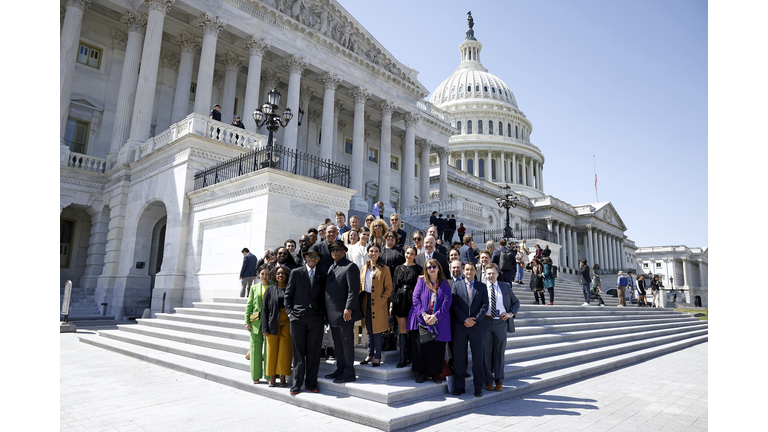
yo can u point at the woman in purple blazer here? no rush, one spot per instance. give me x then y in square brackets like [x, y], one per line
[431, 306]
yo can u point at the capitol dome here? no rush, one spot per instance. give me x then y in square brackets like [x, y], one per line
[492, 140]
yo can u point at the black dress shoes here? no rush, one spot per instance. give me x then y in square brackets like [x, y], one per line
[478, 393]
[329, 353]
[421, 378]
[312, 389]
[345, 379]
[458, 392]
[295, 390]
[333, 375]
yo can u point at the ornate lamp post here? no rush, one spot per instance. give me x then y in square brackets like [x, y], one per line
[505, 202]
[268, 116]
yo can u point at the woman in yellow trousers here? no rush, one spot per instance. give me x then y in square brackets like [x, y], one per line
[253, 318]
[277, 329]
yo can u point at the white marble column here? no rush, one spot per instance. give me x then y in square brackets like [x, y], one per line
[385, 152]
[568, 262]
[189, 46]
[211, 25]
[302, 144]
[476, 164]
[686, 282]
[256, 47]
[561, 242]
[357, 166]
[409, 160]
[97, 245]
[232, 64]
[702, 274]
[591, 256]
[532, 178]
[330, 82]
[424, 145]
[464, 160]
[515, 180]
[614, 253]
[136, 23]
[337, 126]
[270, 80]
[442, 154]
[503, 167]
[141, 122]
[296, 66]
[574, 248]
[68, 49]
[541, 177]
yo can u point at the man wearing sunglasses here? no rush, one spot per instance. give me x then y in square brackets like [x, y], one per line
[305, 306]
[394, 223]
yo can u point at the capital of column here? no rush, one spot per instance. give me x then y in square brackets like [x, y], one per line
[134, 21]
[257, 47]
[209, 23]
[171, 60]
[270, 78]
[589, 228]
[360, 94]
[387, 108]
[232, 61]
[411, 119]
[163, 6]
[342, 125]
[295, 64]
[401, 135]
[330, 81]
[80, 4]
[442, 152]
[424, 145]
[315, 115]
[337, 107]
[188, 43]
[119, 40]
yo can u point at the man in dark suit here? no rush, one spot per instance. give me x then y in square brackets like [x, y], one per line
[440, 223]
[304, 243]
[284, 258]
[305, 306]
[430, 252]
[468, 309]
[433, 218]
[248, 272]
[466, 253]
[503, 306]
[342, 305]
[450, 229]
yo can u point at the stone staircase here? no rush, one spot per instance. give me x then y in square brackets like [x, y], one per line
[81, 306]
[553, 345]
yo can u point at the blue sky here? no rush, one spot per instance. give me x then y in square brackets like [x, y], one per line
[623, 81]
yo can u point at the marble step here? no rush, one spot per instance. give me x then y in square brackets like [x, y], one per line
[399, 415]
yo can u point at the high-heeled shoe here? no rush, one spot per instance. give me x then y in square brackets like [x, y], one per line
[376, 362]
[283, 382]
[272, 382]
[366, 361]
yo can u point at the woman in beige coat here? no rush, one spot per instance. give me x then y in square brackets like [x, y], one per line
[375, 289]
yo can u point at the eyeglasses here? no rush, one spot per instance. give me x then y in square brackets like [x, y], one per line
[431, 267]
[369, 220]
[391, 237]
[312, 257]
[417, 239]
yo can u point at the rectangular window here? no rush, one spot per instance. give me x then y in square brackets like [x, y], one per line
[192, 91]
[373, 155]
[645, 265]
[76, 135]
[66, 234]
[89, 56]
[348, 146]
[658, 265]
[394, 163]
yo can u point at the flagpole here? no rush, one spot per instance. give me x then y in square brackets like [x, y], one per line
[595, 165]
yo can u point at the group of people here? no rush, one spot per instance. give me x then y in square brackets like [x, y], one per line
[625, 285]
[305, 300]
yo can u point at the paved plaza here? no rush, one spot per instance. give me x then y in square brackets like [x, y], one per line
[106, 391]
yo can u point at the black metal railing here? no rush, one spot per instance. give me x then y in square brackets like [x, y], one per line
[519, 233]
[277, 157]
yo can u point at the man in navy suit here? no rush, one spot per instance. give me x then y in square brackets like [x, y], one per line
[468, 309]
[466, 253]
[305, 306]
[248, 272]
[431, 252]
[342, 305]
[503, 307]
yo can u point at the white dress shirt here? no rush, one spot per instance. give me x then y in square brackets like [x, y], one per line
[499, 299]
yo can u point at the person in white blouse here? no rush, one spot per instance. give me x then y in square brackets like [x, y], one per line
[356, 249]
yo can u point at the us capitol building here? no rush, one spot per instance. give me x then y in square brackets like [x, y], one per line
[157, 199]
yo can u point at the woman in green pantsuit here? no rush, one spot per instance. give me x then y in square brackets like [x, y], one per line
[254, 305]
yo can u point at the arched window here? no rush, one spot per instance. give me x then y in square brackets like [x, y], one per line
[493, 90]
[470, 166]
[485, 89]
[480, 126]
[469, 89]
[477, 88]
[469, 127]
[509, 130]
[481, 168]
[516, 137]
[520, 173]
[493, 169]
[458, 164]
[490, 127]
[458, 126]
[501, 129]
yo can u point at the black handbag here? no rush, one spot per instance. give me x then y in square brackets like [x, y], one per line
[426, 335]
[389, 337]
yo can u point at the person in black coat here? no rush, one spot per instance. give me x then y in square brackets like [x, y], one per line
[305, 306]
[430, 252]
[248, 272]
[440, 223]
[342, 305]
[468, 326]
[450, 229]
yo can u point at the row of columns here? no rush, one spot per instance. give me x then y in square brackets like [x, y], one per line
[530, 175]
[599, 246]
[137, 90]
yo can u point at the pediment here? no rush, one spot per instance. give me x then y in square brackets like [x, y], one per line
[86, 102]
[328, 20]
[608, 213]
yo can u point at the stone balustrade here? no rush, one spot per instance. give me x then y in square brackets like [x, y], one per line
[206, 127]
[86, 163]
[429, 109]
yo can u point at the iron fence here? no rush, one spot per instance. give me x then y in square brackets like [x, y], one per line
[277, 157]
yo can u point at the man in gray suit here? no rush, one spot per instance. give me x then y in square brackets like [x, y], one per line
[503, 307]
[468, 309]
[342, 305]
